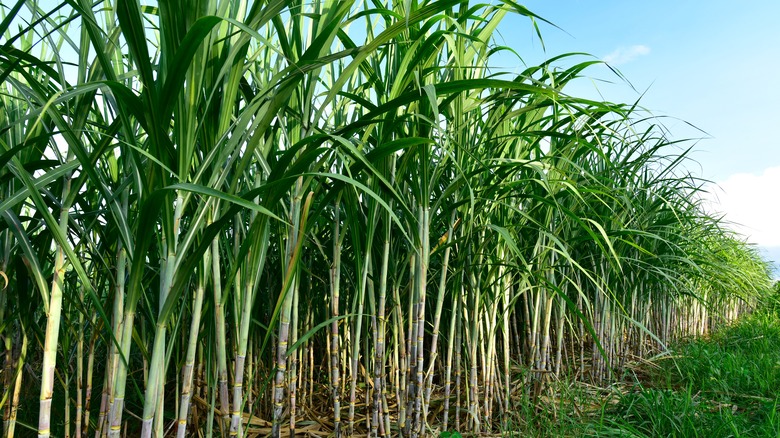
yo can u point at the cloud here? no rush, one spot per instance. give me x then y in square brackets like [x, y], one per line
[750, 202]
[623, 55]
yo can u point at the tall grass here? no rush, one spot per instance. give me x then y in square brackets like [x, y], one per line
[249, 217]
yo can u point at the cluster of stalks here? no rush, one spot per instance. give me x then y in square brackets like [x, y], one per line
[233, 218]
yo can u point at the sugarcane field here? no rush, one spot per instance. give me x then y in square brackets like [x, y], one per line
[234, 218]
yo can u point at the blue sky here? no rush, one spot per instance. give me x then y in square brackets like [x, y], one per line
[714, 65]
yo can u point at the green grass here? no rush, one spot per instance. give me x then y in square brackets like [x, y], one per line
[720, 386]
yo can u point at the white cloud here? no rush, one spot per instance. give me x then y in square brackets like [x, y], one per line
[623, 55]
[751, 203]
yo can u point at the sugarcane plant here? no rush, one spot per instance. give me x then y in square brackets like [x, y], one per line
[244, 218]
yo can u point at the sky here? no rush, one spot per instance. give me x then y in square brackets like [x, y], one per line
[710, 69]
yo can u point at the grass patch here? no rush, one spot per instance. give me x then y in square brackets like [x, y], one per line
[720, 386]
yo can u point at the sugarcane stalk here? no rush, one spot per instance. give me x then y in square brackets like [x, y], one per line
[458, 362]
[289, 289]
[506, 292]
[334, 350]
[448, 370]
[53, 324]
[79, 367]
[379, 337]
[293, 364]
[90, 371]
[399, 340]
[489, 357]
[192, 345]
[422, 280]
[117, 324]
[561, 317]
[411, 342]
[473, 335]
[152, 419]
[437, 313]
[219, 320]
[243, 338]
[357, 333]
[17, 379]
